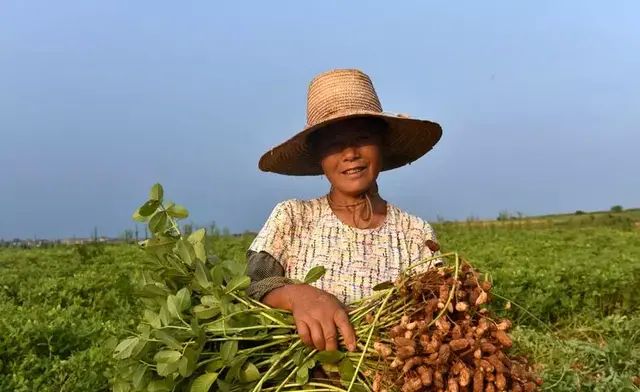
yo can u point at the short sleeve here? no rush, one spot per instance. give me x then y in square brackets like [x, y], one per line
[276, 234]
[266, 274]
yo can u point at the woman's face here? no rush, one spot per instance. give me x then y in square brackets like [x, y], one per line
[351, 156]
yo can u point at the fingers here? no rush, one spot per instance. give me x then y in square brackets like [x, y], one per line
[304, 333]
[316, 334]
[319, 316]
[330, 335]
[319, 335]
[346, 329]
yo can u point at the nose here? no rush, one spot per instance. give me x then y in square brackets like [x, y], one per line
[350, 153]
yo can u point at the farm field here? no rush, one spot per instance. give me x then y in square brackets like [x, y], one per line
[571, 280]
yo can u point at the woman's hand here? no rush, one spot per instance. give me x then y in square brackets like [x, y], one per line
[318, 315]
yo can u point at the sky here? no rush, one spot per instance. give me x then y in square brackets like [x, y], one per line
[539, 103]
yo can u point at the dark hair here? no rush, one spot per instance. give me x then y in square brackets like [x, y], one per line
[375, 125]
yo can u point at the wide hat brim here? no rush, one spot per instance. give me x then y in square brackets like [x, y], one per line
[408, 139]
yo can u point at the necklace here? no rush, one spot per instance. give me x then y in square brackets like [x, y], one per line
[367, 219]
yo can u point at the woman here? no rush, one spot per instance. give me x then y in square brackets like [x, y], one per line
[356, 235]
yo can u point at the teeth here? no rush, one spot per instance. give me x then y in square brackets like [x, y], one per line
[352, 171]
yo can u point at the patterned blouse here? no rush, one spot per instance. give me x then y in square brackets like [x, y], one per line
[302, 234]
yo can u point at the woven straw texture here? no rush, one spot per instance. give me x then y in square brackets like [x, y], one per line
[337, 95]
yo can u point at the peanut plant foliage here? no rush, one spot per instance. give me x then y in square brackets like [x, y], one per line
[199, 330]
[64, 310]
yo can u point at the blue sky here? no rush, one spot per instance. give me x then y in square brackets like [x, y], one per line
[98, 100]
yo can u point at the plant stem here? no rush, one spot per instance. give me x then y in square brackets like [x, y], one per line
[295, 370]
[373, 326]
[277, 361]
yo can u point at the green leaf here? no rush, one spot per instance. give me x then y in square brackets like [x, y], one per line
[302, 375]
[235, 268]
[314, 274]
[250, 373]
[185, 251]
[151, 290]
[183, 366]
[167, 356]
[201, 274]
[160, 386]
[195, 327]
[326, 357]
[298, 357]
[176, 304]
[223, 386]
[165, 315]
[217, 275]
[346, 370]
[228, 350]
[226, 304]
[161, 243]
[383, 286]
[139, 376]
[156, 192]
[164, 369]
[167, 339]
[191, 357]
[237, 308]
[158, 222]
[138, 217]
[204, 312]
[213, 260]
[197, 236]
[184, 299]
[209, 300]
[145, 331]
[217, 326]
[278, 331]
[238, 283]
[152, 318]
[200, 251]
[204, 382]
[142, 342]
[121, 386]
[148, 208]
[178, 211]
[173, 306]
[125, 348]
[235, 370]
[215, 365]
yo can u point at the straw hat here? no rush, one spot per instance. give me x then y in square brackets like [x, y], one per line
[338, 95]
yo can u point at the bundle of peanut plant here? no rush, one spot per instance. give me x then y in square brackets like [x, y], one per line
[200, 331]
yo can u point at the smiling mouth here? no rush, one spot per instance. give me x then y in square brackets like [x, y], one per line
[354, 170]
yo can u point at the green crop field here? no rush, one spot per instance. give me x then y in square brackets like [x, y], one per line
[571, 281]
